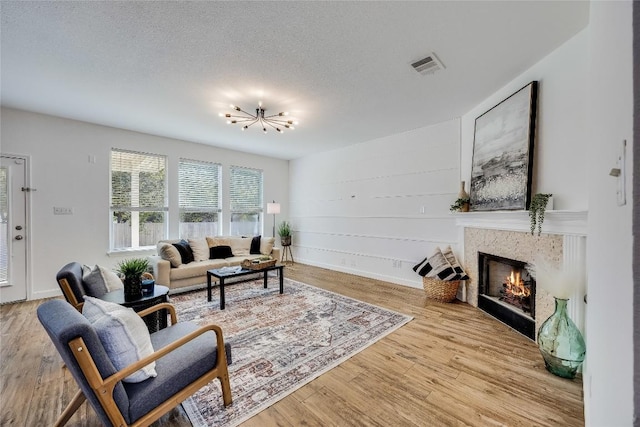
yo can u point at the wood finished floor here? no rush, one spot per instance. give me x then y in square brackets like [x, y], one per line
[451, 365]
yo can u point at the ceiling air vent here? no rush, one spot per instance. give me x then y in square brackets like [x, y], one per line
[428, 65]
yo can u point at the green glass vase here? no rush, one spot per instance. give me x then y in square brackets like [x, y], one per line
[561, 343]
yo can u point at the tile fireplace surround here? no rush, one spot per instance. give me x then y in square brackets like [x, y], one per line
[507, 234]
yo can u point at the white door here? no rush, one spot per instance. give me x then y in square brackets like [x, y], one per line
[13, 215]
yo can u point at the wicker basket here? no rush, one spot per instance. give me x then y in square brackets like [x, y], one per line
[440, 290]
[250, 265]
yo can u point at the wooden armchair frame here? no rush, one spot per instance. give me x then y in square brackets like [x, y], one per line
[103, 388]
[69, 295]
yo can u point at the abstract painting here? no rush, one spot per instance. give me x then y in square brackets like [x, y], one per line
[503, 153]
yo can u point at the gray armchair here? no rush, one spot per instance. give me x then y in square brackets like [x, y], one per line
[70, 281]
[187, 358]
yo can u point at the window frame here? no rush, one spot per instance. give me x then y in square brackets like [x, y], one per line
[257, 208]
[217, 209]
[136, 210]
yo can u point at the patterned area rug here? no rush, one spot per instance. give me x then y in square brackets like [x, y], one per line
[279, 342]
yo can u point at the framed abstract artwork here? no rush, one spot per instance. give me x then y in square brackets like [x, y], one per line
[503, 153]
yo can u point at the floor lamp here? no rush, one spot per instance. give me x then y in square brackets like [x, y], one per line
[273, 208]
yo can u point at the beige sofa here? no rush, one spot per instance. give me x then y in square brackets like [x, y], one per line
[169, 270]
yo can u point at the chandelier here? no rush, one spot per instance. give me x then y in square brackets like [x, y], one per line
[276, 121]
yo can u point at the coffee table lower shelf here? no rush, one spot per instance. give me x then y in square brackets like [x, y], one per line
[224, 276]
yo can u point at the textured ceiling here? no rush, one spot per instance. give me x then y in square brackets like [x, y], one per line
[341, 68]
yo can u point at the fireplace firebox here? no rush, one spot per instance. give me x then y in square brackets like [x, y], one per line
[507, 291]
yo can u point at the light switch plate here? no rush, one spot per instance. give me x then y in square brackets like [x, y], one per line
[621, 179]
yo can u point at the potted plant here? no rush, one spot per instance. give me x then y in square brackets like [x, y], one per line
[460, 205]
[536, 210]
[284, 231]
[132, 269]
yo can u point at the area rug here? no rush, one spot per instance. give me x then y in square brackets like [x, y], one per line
[279, 342]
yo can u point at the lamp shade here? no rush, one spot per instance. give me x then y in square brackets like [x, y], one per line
[273, 208]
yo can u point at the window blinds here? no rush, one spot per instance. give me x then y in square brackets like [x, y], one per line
[138, 181]
[245, 189]
[199, 186]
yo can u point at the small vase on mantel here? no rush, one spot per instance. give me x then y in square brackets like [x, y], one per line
[463, 195]
[561, 343]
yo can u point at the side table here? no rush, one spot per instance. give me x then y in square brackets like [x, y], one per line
[154, 321]
[285, 258]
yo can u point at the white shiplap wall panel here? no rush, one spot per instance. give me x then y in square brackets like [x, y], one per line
[379, 207]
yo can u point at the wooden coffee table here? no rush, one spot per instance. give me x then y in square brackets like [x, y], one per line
[222, 276]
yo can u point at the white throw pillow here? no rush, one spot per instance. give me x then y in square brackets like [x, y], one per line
[266, 245]
[218, 241]
[200, 249]
[123, 334]
[100, 280]
[111, 279]
[240, 246]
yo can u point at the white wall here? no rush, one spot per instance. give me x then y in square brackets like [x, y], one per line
[59, 151]
[375, 209]
[608, 374]
[560, 146]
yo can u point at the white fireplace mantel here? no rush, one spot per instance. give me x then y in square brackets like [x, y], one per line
[555, 222]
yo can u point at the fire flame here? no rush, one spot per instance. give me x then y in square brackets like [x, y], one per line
[515, 285]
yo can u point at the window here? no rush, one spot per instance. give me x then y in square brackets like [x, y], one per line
[138, 199]
[245, 188]
[199, 194]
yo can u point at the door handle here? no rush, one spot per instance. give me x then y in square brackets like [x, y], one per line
[18, 237]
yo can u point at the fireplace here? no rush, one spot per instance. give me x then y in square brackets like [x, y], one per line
[507, 291]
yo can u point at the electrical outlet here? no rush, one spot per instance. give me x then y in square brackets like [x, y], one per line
[62, 211]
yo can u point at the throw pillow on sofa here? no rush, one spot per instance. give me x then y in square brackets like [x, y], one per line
[186, 254]
[200, 249]
[255, 246]
[169, 252]
[240, 246]
[266, 245]
[218, 241]
[220, 252]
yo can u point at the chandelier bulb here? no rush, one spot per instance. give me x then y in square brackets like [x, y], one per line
[228, 122]
[279, 130]
[264, 130]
